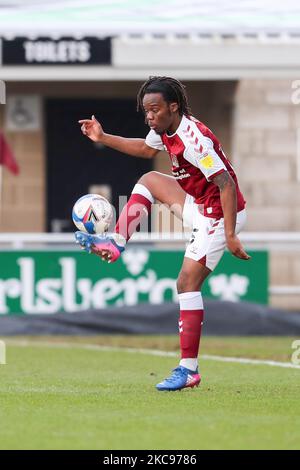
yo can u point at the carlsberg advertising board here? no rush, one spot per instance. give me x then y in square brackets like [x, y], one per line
[45, 282]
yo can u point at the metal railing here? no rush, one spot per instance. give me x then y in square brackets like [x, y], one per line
[260, 240]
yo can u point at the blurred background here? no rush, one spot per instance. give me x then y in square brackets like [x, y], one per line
[65, 60]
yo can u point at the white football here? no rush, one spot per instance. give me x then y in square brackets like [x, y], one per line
[92, 214]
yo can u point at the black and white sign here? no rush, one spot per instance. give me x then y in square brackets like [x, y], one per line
[23, 113]
[64, 51]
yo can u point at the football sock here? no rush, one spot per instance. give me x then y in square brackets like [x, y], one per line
[190, 326]
[137, 207]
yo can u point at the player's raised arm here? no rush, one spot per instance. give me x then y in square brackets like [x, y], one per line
[134, 147]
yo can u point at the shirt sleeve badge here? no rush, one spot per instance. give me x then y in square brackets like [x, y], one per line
[207, 162]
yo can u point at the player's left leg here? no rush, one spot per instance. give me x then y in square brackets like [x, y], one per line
[202, 255]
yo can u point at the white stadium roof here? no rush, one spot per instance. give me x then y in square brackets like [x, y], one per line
[118, 17]
[190, 39]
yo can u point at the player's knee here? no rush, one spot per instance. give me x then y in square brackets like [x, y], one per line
[185, 283]
[148, 179]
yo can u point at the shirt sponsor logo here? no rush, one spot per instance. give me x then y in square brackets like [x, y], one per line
[181, 174]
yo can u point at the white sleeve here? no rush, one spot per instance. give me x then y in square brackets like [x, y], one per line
[154, 140]
[207, 160]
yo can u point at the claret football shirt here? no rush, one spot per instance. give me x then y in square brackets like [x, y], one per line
[197, 157]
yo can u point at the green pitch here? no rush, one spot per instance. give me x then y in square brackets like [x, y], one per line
[67, 397]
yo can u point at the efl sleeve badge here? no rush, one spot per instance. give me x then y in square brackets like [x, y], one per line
[207, 162]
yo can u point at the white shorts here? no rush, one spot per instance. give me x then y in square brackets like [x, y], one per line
[208, 242]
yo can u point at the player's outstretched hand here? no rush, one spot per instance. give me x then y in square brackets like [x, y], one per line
[92, 129]
[234, 245]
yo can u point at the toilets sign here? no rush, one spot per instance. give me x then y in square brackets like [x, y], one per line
[62, 51]
[41, 282]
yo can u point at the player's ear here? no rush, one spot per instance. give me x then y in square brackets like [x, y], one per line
[174, 107]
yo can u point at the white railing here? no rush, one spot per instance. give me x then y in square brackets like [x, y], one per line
[259, 240]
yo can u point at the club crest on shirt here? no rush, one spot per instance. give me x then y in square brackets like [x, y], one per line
[207, 161]
[174, 160]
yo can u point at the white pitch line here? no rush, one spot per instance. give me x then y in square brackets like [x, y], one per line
[91, 347]
[150, 352]
[244, 360]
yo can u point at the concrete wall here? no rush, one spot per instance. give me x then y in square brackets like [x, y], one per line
[265, 153]
[265, 127]
[23, 196]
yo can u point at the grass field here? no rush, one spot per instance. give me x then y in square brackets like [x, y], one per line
[57, 394]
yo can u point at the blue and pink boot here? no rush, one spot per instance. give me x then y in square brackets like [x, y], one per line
[99, 244]
[180, 378]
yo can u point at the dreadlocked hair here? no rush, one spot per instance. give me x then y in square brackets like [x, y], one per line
[172, 90]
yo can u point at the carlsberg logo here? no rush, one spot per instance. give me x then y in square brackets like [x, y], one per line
[70, 293]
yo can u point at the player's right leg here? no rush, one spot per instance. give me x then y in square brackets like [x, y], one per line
[151, 186]
[165, 189]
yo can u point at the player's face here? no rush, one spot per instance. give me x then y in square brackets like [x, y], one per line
[160, 115]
